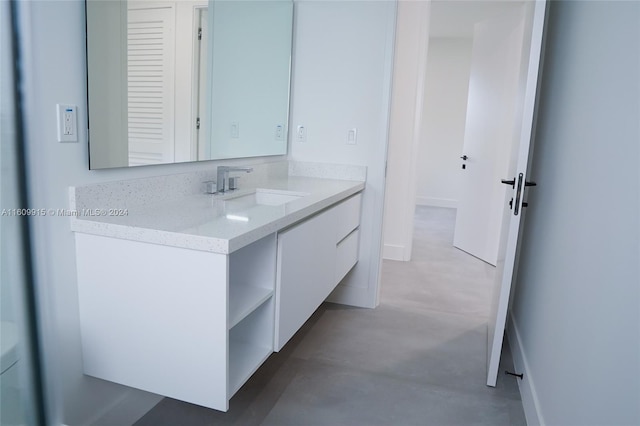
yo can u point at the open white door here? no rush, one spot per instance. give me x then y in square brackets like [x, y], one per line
[499, 46]
[512, 217]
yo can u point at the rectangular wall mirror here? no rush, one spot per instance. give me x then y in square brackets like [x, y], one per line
[187, 80]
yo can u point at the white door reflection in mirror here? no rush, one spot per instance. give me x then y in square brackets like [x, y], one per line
[201, 97]
[150, 82]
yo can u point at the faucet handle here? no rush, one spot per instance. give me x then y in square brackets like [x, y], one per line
[210, 187]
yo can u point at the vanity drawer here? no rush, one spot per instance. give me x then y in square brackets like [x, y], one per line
[349, 213]
[347, 254]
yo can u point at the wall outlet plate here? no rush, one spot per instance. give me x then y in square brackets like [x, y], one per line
[67, 123]
[279, 134]
[301, 134]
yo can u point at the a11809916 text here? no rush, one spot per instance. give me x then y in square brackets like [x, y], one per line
[63, 212]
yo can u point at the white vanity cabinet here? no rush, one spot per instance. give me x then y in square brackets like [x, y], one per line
[187, 297]
[313, 257]
[188, 324]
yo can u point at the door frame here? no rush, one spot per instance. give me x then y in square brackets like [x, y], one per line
[405, 124]
[408, 201]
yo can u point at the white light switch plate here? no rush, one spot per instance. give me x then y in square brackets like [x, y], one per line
[67, 123]
[235, 130]
[352, 136]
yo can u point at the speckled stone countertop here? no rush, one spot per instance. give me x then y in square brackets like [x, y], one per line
[214, 223]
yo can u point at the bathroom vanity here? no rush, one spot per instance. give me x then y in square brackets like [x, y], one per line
[186, 294]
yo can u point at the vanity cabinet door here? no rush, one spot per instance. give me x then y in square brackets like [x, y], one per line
[349, 213]
[313, 257]
[346, 255]
[305, 272]
[347, 236]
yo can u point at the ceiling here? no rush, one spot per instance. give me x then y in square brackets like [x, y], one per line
[455, 18]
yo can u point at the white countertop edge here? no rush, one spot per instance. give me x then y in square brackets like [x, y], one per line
[152, 236]
[207, 243]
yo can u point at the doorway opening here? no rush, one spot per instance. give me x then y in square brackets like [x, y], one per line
[470, 120]
[478, 101]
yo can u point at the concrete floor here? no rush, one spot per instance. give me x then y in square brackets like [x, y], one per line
[417, 359]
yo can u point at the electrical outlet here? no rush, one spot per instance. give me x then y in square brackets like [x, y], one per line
[67, 123]
[301, 134]
[279, 132]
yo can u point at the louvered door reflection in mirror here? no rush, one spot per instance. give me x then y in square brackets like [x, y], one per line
[187, 80]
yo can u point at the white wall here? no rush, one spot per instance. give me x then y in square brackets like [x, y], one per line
[405, 129]
[443, 120]
[341, 80]
[576, 312]
[56, 75]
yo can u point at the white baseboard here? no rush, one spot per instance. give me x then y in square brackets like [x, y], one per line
[394, 252]
[437, 202]
[527, 388]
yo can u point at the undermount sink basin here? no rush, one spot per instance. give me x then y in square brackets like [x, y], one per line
[266, 197]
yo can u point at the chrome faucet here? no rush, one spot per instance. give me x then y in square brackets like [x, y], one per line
[223, 175]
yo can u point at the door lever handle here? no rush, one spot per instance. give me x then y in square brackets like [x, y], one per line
[524, 203]
[516, 208]
[511, 182]
[464, 157]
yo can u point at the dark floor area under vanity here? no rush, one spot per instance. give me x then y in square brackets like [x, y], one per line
[419, 358]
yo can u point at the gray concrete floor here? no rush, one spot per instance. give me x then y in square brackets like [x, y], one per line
[417, 359]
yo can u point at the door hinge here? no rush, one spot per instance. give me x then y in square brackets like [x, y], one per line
[199, 33]
[198, 123]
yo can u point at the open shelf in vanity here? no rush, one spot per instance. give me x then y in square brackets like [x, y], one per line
[243, 300]
[250, 344]
[251, 309]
